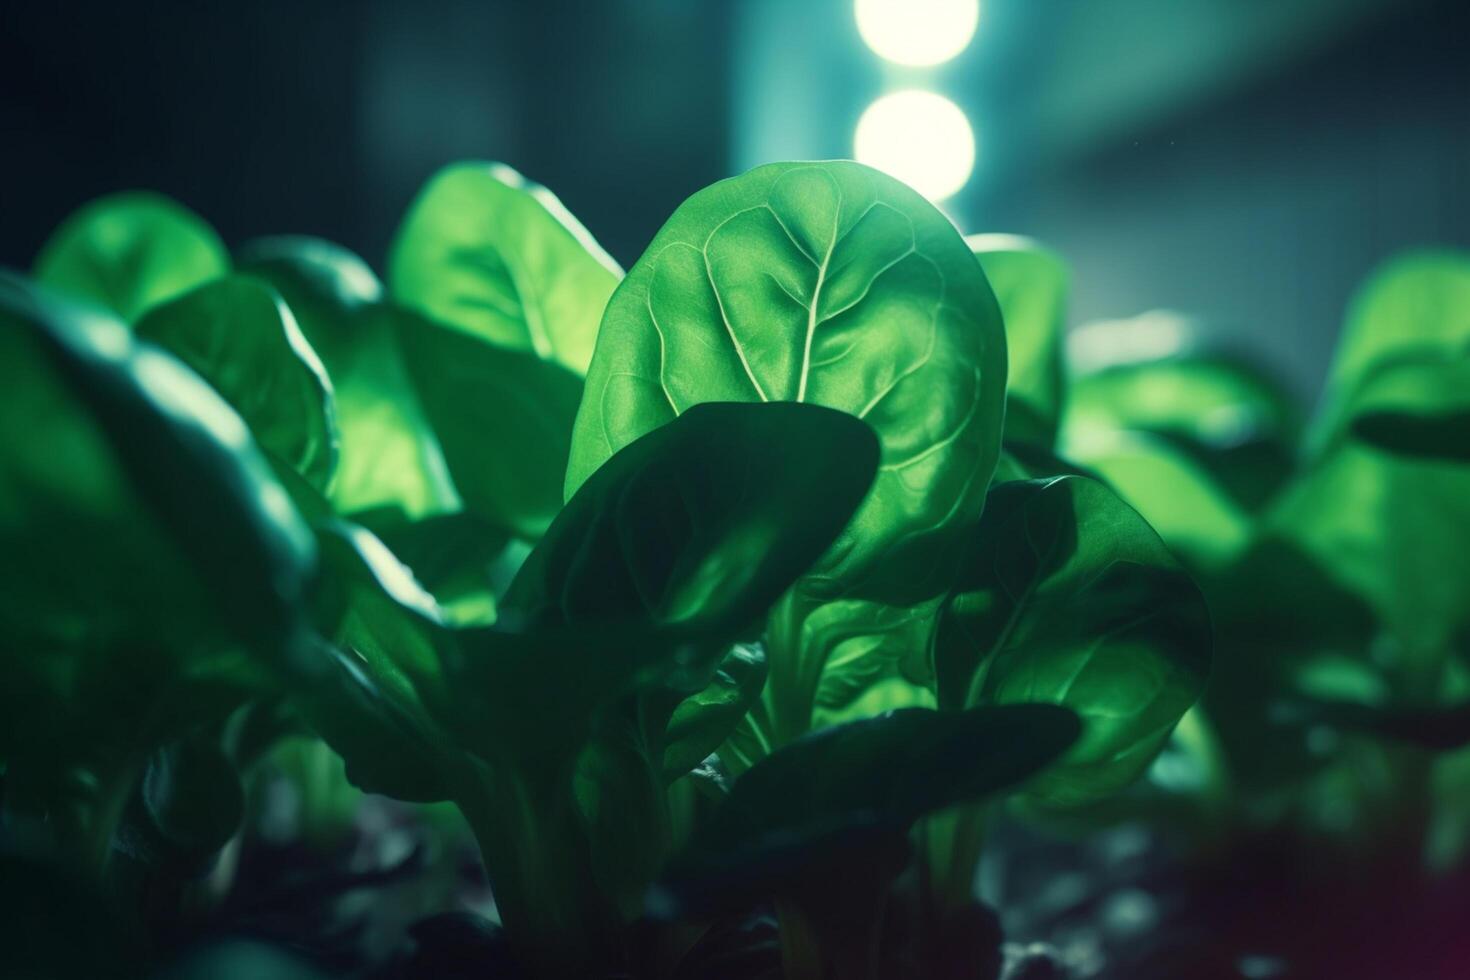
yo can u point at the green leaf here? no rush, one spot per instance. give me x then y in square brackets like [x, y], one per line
[461, 559]
[1070, 598]
[370, 692]
[1031, 285]
[841, 789]
[1174, 494]
[134, 491]
[503, 417]
[129, 252]
[697, 527]
[1394, 529]
[1416, 407]
[389, 456]
[1159, 376]
[488, 252]
[827, 283]
[704, 719]
[1416, 305]
[240, 337]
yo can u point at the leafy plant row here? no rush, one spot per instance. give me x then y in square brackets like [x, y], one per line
[746, 577]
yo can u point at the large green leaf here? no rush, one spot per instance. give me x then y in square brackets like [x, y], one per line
[700, 525]
[240, 337]
[389, 455]
[1070, 598]
[133, 490]
[827, 283]
[1417, 407]
[503, 417]
[1416, 304]
[843, 789]
[1030, 284]
[488, 252]
[131, 251]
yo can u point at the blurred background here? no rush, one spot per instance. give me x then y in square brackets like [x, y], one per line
[1244, 160]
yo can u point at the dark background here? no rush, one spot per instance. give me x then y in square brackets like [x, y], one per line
[1248, 161]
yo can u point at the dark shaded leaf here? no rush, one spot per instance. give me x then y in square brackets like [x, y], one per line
[844, 789]
[1070, 598]
[503, 417]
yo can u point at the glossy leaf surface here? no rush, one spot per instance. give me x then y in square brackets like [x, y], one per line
[1070, 598]
[128, 252]
[488, 252]
[827, 283]
[238, 335]
[700, 524]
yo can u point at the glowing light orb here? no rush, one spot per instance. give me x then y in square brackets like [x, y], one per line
[921, 138]
[917, 32]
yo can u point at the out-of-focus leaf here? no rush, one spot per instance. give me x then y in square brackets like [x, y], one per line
[1416, 407]
[238, 335]
[827, 283]
[1415, 306]
[488, 252]
[1030, 284]
[129, 252]
[1440, 728]
[503, 417]
[1394, 529]
[852, 785]
[1070, 598]
[134, 492]
[389, 456]
[1157, 376]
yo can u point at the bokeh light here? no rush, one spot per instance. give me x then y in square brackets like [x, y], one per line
[921, 138]
[917, 32]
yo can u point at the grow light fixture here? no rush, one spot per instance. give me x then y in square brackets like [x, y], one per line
[921, 138]
[918, 33]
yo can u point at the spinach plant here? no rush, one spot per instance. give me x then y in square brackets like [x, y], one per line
[742, 578]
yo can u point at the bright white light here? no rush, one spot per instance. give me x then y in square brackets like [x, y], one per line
[919, 137]
[917, 32]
